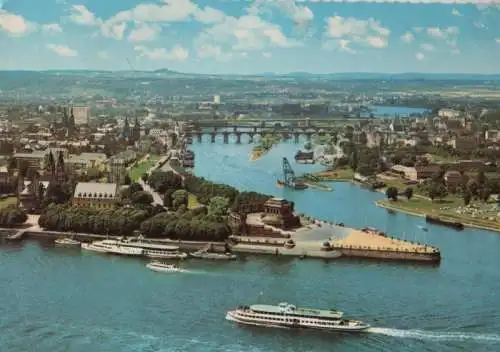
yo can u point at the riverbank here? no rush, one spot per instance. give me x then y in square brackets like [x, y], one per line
[257, 154]
[264, 146]
[404, 207]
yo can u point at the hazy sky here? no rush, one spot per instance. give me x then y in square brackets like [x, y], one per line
[239, 36]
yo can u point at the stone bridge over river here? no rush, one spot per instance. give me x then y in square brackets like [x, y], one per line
[252, 132]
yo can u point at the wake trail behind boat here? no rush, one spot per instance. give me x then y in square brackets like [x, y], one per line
[436, 335]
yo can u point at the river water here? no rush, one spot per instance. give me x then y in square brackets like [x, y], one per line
[64, 300]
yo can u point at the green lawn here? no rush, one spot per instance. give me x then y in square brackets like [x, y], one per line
[8, 201]
[192, 201]
[445, 209]
[344, 174]
[136, 171]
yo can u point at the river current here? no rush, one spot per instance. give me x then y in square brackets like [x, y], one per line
[63, 300]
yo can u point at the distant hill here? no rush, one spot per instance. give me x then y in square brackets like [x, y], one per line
[410, 76]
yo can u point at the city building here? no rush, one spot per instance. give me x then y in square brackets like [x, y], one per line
[453, 180]
[81, 114]
[97, 195]
[450, 113]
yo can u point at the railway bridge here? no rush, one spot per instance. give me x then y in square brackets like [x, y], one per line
[252, 132]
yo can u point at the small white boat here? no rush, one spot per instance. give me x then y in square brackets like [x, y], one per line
[67, 242]
[164, 267]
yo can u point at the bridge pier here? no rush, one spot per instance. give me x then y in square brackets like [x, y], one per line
[199, 136]
[309, 136]
[250, 135]
[226, 137]
[212, 137]
[238, 137]
[296, 137]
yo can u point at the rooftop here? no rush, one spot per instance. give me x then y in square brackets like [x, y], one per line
[95, 190]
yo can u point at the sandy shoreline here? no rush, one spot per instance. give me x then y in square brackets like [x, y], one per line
[257, 154]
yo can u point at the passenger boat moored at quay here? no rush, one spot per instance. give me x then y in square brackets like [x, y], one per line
[288, 316]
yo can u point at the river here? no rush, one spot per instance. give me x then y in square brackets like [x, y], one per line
[64, 300]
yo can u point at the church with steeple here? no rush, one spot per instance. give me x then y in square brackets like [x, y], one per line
[128, 134]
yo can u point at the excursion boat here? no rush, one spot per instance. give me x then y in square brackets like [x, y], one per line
[111, 247]
[67, 242]
[153, 250]
[202, 254]
[164, 267]
[287, 315]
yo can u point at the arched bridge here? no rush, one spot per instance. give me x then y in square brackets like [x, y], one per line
[252, 132]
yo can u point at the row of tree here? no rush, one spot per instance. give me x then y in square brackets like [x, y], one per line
[12, 217]
[120, 221]
[188, 225]
[176, 192]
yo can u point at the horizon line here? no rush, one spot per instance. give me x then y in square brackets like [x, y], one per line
[252, 74]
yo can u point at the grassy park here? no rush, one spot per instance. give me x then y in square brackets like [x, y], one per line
[136, 171]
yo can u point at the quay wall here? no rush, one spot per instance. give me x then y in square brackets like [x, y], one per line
[390, 254]
[87, 237]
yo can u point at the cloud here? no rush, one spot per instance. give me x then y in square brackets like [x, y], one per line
[442, 33]
[113, 30]
[144, 33]
[245, 33]
[408, 37]
[81, 15]
[52, 28]
[15, 25]
[177, 53]
[497, 40]
[456, 12]
[362, 32]
[209, 51]
[301, 15]
[267, 55]
[62, 50]
[209, 15]
[103, 55]
[419, 56]
[427, 47]
[479, 24]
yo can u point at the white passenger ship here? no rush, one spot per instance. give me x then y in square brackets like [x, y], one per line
[288, 316]
[152, 250]
[111, 247]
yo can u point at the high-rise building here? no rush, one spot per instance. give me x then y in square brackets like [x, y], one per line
[217, 99]
[81, 114]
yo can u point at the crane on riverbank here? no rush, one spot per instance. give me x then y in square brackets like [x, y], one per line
[289, 179]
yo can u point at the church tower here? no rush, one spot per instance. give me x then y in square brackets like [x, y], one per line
[60, 174]
[137, 130]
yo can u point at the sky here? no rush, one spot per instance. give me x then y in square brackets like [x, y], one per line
[252, 36]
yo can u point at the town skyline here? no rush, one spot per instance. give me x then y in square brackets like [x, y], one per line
[215, 37]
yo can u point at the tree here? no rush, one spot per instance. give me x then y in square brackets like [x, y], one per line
[437, 190]
[467, 198]
[480, 179]
[485, 194]
[392, 193]
[218, 206]
[472, 187]
[127, 180]
[179, 197]
[167, 197]
[142, 197]
[144, 177]
[353, 160]
[408, 192]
